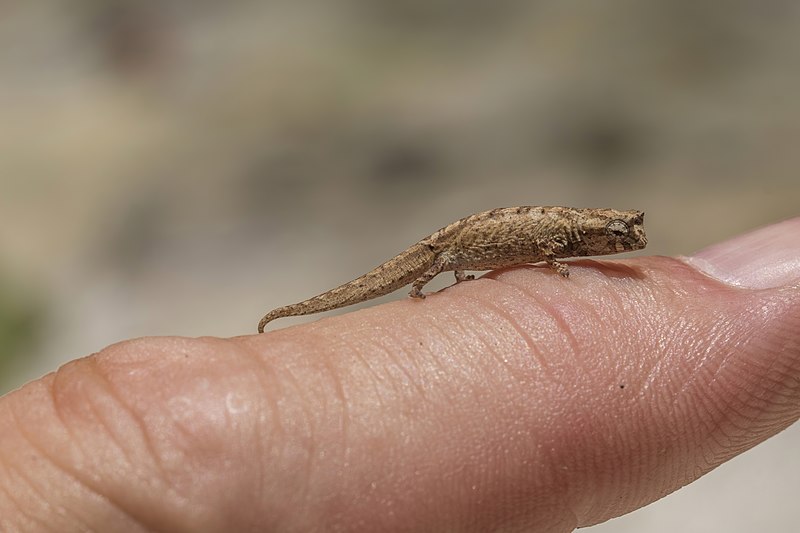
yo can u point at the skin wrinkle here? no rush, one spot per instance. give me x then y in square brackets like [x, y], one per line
[439, 360]
[671, 344]
[118, 445]
[106, 430]
[789, 389]
[732, 364]
[542, 363]
[91, 371]
[596, 320]
[63, 511]
[409, 376]
[308, 428]
[273, 391]
[381, 345]
[707, 397]
[470, 366]
[257, 370]
[645, 367]
[780, 372]
[752, 402]
[595, 270]
[11, 466]
[437, 367]
[268, 402]
[604, 462]
[333, 377]
[782, 342]
[71, 473]
[414, 362]
[586, 502]
[29, 516]
[55, 403]
[677, 416]
[562, 326]
[501, 375]
[710, 416]
[739, 408]
[738, 376]
[577, 367]
[111, 391]
[181, 437]
[378, 395]
[35, 446]
[664, 432]
[268, 389]
[377, 380]
[307, 473]
[443, 349]
[303, 393]
[439, 364]
[521, 332]
[716, 334]
[661, 467]
[478, 337]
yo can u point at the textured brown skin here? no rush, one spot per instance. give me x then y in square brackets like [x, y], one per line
[499, 238]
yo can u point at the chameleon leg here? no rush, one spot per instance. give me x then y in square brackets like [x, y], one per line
[432, 272]
[559, 267]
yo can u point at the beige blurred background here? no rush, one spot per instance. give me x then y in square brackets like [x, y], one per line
[177, 167]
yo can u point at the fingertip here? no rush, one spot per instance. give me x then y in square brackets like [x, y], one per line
[768, 257]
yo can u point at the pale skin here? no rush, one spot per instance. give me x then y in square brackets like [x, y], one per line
[488, 240]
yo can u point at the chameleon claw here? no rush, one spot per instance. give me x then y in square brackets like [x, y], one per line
[460, 276]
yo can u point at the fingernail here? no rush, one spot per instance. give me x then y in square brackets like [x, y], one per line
[765, 258]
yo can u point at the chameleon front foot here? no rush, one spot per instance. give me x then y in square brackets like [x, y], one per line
[559, 267]
[460, 276]
[416, 292]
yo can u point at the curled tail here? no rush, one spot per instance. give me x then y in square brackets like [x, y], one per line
[383, 279]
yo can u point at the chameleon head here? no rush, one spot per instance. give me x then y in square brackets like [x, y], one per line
[608, 231]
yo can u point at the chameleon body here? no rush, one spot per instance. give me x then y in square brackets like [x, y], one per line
[492, 239]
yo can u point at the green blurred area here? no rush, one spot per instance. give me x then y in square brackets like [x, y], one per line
[21, 320]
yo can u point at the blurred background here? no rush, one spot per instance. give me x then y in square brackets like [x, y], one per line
[177, 167]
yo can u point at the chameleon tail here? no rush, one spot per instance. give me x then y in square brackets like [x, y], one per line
[385, 278]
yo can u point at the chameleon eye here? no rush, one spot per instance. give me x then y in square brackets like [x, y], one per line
[617, 228]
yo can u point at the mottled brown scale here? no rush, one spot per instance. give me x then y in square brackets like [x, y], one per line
[492, 239]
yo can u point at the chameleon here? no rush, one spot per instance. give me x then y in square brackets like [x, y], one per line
[498, 238]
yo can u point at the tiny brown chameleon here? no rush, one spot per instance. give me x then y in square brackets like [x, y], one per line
[498, 238]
